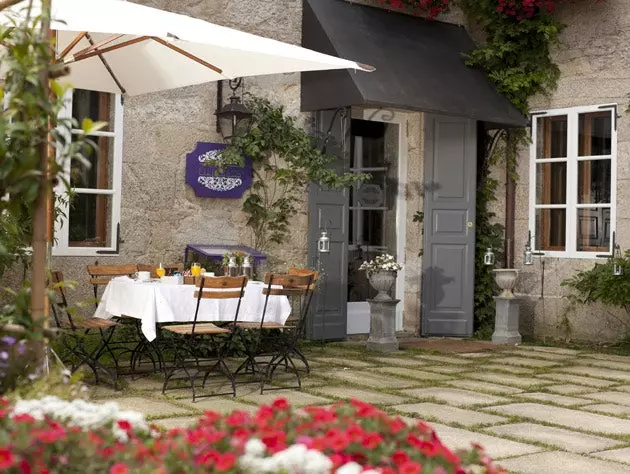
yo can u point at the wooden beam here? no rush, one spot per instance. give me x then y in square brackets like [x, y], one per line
[71, 45]
[91, 54]
[187, 54]
[8, 3]
[94, 46]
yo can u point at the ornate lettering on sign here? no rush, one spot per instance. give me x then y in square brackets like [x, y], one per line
[202, 176]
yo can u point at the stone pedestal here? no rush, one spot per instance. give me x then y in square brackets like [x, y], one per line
[383, 326]
[506, 321]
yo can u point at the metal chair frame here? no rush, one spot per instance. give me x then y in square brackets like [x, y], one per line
[190, 353]
[282, 340]
[77, 331]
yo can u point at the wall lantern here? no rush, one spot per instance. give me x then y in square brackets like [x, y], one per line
[488, 258]
[528, 256]
[234, 119]
[617, 268]
[323, 243]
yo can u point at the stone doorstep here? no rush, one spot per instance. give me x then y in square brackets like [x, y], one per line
[558, 462]
[553, 398]
[563, 439]
[448, 414]
[574, 419]
[454, 396]
[496, 448]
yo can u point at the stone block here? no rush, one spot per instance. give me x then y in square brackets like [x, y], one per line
[478, 386]
[569, 389]
[368, 396]
[509, 380]
[421, 375]
[558, 462]
[508, 368]
[609, 408]
[296, 399]
[553, 398]
[577, 379]
[506, 321]
[620, 398]
[402, 361]
[598, 372]
[496, 448]
[369, 380]
[575, 419]
[150, 407]
[454, 396]
[445, 359]
[618, 455]
[528, 362]
[447, 414]
[558, 437]
[170, 423]
[383, 326]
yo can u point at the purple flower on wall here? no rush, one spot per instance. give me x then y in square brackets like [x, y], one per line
[9, 340]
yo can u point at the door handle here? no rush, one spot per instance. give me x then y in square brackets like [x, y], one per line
[470, 224]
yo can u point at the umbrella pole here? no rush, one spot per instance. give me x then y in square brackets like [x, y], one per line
[42, 216]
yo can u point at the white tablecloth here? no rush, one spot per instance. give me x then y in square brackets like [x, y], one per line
[155, 302]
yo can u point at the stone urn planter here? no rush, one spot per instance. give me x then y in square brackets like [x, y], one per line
[382, 282]
[506, 279]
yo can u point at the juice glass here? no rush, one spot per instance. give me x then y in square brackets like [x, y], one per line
[160, 272]
[195, 269]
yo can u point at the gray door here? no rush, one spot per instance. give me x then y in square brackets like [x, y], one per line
[449, 235]
[329, 209]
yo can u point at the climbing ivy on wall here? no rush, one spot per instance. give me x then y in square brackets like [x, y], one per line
[515, 56]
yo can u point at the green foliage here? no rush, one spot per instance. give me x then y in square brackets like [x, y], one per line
[285, 160]
[28, 110]
[516, 53]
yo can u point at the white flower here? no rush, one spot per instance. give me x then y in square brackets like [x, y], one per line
[349, 468]
[255, 447]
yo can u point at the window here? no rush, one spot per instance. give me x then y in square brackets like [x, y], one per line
[572, 180]
[92, 216]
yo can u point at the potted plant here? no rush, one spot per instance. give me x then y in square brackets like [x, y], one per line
[382, 272]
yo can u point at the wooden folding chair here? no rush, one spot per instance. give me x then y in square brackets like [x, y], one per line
[188, 340]
[102, 274]
[275, 341]
[170, 268]
[78, 329]
[315, 275]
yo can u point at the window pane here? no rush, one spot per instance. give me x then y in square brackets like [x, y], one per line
[593, 230]
[551, 137]
[594, 182]
[98, 106]
[551, 183]
[595, 134]
[100, 172]
[551, 229]
[90, 221]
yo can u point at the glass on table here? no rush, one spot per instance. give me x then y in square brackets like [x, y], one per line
[160, 271]
[195, 269]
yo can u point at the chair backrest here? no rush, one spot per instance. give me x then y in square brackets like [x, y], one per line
[298, 288]
[58, 307]
[102, 274]
[170, 268]
[305, 272]
[220, 288]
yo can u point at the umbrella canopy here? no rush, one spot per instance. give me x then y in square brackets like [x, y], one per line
[122, 47]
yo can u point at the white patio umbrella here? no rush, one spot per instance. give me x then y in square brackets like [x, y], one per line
[122, 47]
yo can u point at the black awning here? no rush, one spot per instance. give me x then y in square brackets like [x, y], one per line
[419, 64]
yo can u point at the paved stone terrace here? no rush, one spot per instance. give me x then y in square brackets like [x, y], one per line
[535, 409]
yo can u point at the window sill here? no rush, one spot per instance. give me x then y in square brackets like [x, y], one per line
[575, 255]
[84, 252]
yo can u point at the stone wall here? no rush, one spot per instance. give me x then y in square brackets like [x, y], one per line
[160, 214]
[594, 60]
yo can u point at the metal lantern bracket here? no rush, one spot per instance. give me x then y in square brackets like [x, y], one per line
[529, 254]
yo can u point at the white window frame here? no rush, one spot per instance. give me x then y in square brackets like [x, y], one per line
[572, 160]
[61, 246]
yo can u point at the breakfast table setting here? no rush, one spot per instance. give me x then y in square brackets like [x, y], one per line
[167, 300]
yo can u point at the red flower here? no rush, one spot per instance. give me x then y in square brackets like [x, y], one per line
[372, 440]
[124, 425]
[338, 442]
[25, 467]
[410, 467]
[400, 457]
[225, 462]
[119, 468]
[275, 440]
[281, 404]
[237, 418]
[364, 410]
[24, 418]
[6, 458]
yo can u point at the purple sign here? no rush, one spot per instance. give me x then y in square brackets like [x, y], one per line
[200, 174]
